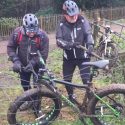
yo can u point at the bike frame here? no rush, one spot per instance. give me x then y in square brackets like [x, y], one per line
[106, 41]
[50, 84]
[49, 81]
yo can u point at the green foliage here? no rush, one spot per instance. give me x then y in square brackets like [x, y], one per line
[59, 4]
[9, 22]
[120, 42]
[118, 74]
[45, 12]
[16, 8]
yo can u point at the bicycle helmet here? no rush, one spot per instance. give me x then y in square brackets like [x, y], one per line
[70, 8]
[30, 23]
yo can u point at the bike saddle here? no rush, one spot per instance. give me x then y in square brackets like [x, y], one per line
[98, 64]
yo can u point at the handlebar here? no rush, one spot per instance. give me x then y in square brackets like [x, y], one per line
[41, 70]
[93, 53]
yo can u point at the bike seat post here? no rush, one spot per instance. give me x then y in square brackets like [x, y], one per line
[92, 74]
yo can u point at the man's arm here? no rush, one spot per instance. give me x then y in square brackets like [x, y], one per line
[44, 46]
[59, 39]
[88, 33]
[88, 37]
[12, 47]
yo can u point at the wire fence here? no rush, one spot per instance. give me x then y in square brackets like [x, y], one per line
[49, 22]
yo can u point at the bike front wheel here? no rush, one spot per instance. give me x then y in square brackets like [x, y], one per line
[43, 109]
[109, 107]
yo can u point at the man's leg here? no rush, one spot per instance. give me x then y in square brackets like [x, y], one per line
[84, 71]
[34, 103]
[25, 80]
[68, 69]
[85, 74]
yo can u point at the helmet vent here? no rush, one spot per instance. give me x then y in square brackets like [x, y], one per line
[30, 19]
[31, 25]
[26, 22]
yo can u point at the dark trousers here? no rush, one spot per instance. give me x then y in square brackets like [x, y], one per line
[25, 82]
[68, 70]
[25, 79]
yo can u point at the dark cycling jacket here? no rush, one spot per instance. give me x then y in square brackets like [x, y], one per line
[77, 32]
[22, 50]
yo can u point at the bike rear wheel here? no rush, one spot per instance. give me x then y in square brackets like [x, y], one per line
[49, 107]
[101, 114]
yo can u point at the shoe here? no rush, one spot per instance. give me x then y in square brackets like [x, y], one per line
[25, 106]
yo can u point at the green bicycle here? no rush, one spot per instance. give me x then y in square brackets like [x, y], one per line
[105, 106]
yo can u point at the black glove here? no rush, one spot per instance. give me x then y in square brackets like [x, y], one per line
[28, 68]
[76, 44]
[17, 66]
[71, 45]
[90, 49]
[30, 65]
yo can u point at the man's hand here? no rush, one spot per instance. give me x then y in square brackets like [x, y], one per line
[90, 49]
[30, 65]
[76, 44]
[17, 66]
[71, 45]
[28, 68]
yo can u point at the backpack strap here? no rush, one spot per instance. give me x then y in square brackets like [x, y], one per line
[19, 37]
[37, 39]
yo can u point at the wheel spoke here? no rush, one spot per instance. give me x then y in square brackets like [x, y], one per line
[117, 102]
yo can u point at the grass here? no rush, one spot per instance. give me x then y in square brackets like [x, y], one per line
[77, 122]
[12, 88]
[121, 21]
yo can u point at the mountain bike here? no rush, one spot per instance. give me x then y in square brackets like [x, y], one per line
[105, 106]
[107, 47]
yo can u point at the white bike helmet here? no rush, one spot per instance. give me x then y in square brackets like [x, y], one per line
[71, 8]
[30, 23]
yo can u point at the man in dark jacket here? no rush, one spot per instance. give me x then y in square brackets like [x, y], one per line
[23, 47]
[72, 31]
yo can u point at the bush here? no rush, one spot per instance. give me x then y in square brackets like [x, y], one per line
[9, 22]
[120, 42]
[45, 12]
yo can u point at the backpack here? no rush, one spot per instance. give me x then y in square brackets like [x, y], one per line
[20, 36]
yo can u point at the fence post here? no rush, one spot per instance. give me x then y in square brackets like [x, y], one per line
[41, 22]
[96, 26]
